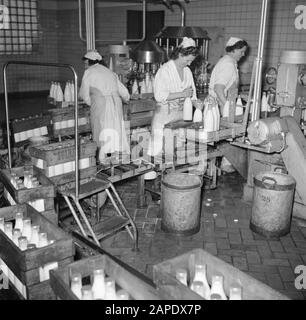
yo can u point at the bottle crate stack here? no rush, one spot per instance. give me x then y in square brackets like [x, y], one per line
[198, 275]
[29, 185]
[57, 160]
[63, 120]
[25, 128]
[31, 246]
[99, 278]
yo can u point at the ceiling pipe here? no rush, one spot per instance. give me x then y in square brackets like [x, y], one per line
[182, 8]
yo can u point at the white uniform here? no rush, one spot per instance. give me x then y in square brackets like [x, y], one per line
[225, 73]
[167, 80]
[102, 90]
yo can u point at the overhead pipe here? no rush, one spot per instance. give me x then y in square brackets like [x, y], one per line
[183, 11]
[92, 36]
[258, 75]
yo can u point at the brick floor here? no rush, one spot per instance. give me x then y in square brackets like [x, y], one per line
[224, 232]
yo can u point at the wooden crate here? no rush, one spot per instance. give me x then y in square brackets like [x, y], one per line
[25, 264]
[69, 177]
[44, 157]
[139, 113]
[137, 288]
[195, 131]
[46, 189]
[164, 278]
[50, 214]
[30, 123]
[123, 171]
[60, 152]
[60, 115]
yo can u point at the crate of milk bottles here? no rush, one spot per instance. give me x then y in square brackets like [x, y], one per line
[31, 246]
[198, 274]
[63, 120]
[57, 160]
[25, 128]
[99, 278]
[61, 98]
[28, 185]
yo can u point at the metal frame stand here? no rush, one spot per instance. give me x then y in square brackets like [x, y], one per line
[99, 184]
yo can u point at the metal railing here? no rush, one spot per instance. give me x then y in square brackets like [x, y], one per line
[44, 64]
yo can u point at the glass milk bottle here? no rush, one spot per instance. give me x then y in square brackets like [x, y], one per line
[87, 293]
[27, 228]
[76, 285]
[34, 235]
[110, 289]
[19, 221]
[217, 286]
[181, 276]
[215, 296]
[123, 295]
[26, 177]
[2, 224]
[98, 286]
[8, 229]
[16, 236]
[198, 287]
[235, 292]
[42, 239]
[23, 243]
[200, 275]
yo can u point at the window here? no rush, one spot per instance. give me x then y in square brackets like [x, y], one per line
[19, 29]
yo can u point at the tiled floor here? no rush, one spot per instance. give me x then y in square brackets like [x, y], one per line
[224, 232]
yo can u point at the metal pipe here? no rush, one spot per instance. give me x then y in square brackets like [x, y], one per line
[80, 22]
[45, 64]
[75, 216]
[183, 11]
[258, 75]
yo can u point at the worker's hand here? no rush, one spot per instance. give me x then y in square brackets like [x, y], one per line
[188, 92]
[198, 104]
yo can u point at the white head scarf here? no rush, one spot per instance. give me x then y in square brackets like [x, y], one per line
[93, 55]
[187, 42]
[232, 41]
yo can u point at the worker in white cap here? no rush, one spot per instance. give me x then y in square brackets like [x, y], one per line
[224, 82]
[102, 90]
[173, 83]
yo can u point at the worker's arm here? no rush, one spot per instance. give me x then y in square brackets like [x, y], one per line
[188, 92]
[219, 90]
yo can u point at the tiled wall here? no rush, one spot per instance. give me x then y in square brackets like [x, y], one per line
[241, 18]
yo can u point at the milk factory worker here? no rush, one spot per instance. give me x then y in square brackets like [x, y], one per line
[102, 90]
[173, 83]
[224, 79]
[224, 82]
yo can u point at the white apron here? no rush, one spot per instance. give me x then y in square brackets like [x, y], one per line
[107, 123]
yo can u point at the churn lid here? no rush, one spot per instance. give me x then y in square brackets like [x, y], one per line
[182, 181]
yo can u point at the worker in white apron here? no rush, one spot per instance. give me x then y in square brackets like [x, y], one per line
[224, 82]
[102, 90]
[173, 83]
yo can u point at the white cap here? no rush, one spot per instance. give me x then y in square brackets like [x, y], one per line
[93, 55]
[187, 42]
[232, 41]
